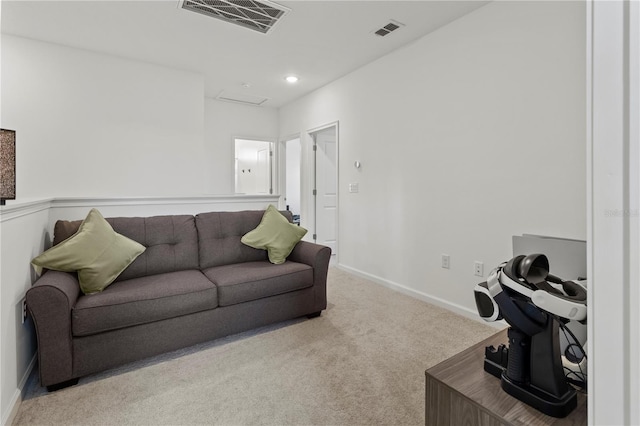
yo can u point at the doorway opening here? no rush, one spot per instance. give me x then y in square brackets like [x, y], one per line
[325, 192]
[292, 191]
[253, 166]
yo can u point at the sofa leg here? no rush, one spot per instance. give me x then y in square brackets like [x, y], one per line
[58, 386]
[314, 315]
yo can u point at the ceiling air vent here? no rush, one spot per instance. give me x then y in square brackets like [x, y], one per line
[388, 28]
[260, 16]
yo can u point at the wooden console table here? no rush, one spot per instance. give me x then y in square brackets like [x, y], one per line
[460, 392]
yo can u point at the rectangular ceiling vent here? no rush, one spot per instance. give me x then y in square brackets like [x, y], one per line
[241, 98]
[260, 16]
[388, 28]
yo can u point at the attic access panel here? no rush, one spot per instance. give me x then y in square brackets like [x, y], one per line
[259, 16]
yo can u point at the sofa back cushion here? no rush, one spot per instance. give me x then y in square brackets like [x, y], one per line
[219, 235]
[171, 242]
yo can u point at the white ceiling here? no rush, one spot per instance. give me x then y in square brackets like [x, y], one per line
[319, 41]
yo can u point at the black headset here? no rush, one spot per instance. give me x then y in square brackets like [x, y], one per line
[532, 271]
[517, 287]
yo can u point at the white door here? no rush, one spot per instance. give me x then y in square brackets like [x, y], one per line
[326, 192]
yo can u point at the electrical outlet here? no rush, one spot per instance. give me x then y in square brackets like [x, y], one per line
[445, 261]
[478, 268]
[24, 310]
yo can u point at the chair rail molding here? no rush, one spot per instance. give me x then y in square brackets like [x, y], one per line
[137, 205]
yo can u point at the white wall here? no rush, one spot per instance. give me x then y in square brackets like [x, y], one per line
[469, 135]
[23, 238]
[95, 125]
[225, 121]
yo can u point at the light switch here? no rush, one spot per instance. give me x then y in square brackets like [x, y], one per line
[353, 187]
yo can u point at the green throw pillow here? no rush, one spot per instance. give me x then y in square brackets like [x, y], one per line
[275, 235]
[96, 252]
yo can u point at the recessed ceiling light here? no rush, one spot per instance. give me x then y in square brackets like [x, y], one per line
[291, 79]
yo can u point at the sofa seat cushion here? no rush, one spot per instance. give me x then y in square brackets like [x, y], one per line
[243, 282]
[143, 300]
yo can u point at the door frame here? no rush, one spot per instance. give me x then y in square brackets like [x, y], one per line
[613, 205]
[281, 178]
[313, 177]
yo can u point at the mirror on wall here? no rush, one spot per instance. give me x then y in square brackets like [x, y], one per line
[253, 166]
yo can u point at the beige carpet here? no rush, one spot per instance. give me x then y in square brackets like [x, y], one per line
[361, 363]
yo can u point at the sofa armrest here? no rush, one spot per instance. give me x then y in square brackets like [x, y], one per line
[317, 256]
[50, 301]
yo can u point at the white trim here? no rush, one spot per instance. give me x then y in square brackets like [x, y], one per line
[14, 211]
[14, 406]
[314, 184]
[612, 215]
[634, 206]
[453, 307]
[16, 400]
[153, 201]
[282, 168]
[589, 169]
[324, 127]
[19, 209]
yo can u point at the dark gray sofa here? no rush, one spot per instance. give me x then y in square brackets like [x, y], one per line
[195, 282]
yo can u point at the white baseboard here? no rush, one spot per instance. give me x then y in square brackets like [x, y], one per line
[16, 400]
[458, 309]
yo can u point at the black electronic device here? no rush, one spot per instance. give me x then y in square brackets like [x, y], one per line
[537, 305]
[495, 359]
